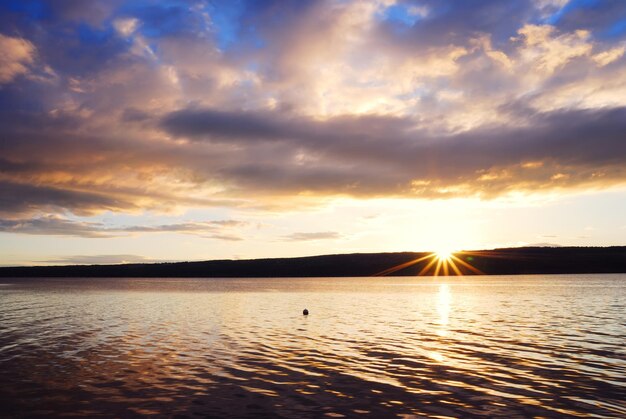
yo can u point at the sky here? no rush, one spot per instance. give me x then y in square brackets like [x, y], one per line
[139, 131]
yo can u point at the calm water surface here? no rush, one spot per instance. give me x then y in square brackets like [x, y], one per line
[526, 346]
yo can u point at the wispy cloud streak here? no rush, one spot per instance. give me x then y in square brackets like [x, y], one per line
[58, 226]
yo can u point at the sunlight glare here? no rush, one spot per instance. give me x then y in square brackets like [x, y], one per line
[444, 254]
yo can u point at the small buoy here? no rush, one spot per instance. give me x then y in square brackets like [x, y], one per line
[305, 312]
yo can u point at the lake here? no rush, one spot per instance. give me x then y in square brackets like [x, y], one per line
[498, 346]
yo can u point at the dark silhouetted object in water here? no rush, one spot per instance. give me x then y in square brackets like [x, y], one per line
[305, 312]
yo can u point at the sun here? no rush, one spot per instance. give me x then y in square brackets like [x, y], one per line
[444, 253]
[444, 261]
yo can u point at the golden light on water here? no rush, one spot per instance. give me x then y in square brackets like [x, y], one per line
[444, 299]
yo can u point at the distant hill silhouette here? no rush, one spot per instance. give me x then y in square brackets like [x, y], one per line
[510, 261]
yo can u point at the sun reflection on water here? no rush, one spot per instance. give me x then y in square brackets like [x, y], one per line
[444, 299]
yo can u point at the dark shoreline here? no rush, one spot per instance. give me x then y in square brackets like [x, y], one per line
[507, 261]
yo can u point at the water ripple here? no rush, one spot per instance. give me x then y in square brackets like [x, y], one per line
[548, 346]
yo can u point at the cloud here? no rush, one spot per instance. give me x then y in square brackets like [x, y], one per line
[16, 198]
[543, 244]
[601, 17]
[16, 55]
[548, 51]
[360, 156]
[607, 57]
[92, 13]
[101, 259]
[52, 225]
[59, 162]
[58, 226]
[320, 235]
[126, 26]
[382, 155]
[225, 237]
[182, 227]
[482, 98]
